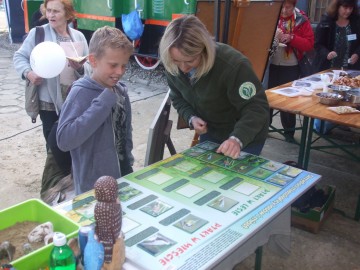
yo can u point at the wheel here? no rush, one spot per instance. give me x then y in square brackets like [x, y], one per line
[147, 63]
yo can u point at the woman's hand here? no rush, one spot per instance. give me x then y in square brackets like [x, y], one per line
[200, 126]
[285, 38]
[331, 55]
[278, 33]
[76, 65]
[34, 78]
[230, 148]
[353, 59]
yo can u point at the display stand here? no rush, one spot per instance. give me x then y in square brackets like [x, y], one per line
[159, 134]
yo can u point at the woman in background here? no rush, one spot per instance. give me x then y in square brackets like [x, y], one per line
[296, 37]
[337, 36]
[337, 43]
[53, 91]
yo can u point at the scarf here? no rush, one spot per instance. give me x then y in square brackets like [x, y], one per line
[287, 24]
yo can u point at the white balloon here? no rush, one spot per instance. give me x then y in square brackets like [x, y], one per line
[47, 59]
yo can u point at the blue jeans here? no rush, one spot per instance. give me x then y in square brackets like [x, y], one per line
[254, 149]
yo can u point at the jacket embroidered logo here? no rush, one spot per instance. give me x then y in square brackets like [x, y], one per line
[247, 90]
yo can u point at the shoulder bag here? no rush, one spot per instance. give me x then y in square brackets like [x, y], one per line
[305, 64]
[31, 92]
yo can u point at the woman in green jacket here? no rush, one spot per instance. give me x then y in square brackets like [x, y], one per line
[214, 88]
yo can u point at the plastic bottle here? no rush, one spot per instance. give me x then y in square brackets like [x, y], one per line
[83, 238]
[61, 257]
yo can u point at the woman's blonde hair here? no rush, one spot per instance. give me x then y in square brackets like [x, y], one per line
[190, 36]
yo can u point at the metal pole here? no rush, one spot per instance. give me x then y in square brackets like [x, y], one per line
[217, 11]
[226, 21]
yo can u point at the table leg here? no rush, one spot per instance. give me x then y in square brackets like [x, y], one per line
[357, 211]
[308, 144]
[258, 258]
[303, 138]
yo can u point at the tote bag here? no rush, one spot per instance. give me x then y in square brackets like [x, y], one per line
[31, 91]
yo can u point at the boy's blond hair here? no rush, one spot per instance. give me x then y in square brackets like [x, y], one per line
[109, 37]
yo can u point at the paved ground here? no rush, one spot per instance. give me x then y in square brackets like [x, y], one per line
[336, 246]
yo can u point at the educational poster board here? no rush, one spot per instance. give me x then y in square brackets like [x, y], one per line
[252, 26]
[190, 210]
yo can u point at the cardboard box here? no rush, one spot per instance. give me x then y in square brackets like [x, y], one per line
[36, 211]
[313, 219]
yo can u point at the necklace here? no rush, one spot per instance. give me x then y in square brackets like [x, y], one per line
[60, 38]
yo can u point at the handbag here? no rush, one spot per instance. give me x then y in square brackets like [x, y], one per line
[306, 66]
[32, 105]
[31, 101]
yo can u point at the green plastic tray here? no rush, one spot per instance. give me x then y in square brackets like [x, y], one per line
[37, 211]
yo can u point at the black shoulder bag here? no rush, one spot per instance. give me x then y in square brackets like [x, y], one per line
[31, 91]
[305, 64]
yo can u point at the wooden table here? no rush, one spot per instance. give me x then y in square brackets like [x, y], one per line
[293, 105]
[311, 109]
[322, 112]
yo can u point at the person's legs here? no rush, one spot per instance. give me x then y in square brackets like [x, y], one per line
[273, 80]
[63, 159]
[274, 76]
[288, 121]
[279, 75]
[52, 173]
[48, 118]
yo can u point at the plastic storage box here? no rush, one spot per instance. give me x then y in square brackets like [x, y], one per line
[36, 211]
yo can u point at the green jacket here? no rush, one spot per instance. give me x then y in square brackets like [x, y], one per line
[230, 98]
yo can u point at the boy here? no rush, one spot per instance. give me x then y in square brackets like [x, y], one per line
[95, 121]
